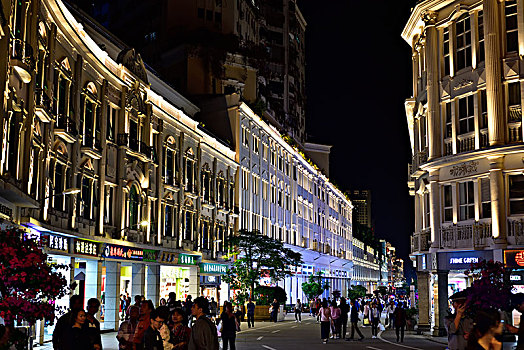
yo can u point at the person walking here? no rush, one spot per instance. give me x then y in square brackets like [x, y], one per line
[317, 308]
[92, 325]
[325, 320]
[298, 311]
[344, 309]
[127, 329]
[389, 313]
[146, 307]
[76, 336]
[229, 327]
[180, 332]
[366, 321]
[374, 314]
[335, 320]
[213, 307]
[65, 322]
[400, 321]
[353, 318]
[487, 327]
[275, 308]
[203, 333]
[152, 338]
[250, 314]
[312, 310]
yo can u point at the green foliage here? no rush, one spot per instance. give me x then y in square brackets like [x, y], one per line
[314, 287]
[265, 295]
[254, 252]
[381, 290]
[356, 292]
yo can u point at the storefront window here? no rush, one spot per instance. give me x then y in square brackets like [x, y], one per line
[174, 279]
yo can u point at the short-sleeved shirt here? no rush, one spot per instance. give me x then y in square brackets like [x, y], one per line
[456, 340]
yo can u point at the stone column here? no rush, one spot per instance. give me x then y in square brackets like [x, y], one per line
[138, 279]
[498, 204]
[102, 162]
[494, 93]
[435, 209]
[441, 304]
[119, 216]
[432, 71]
[423, 301]
[92, 280]
[153, 283]
[112, 295]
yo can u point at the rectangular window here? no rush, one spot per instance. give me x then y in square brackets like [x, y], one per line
[446, 51]
[209, 15]
[484, 110]
[218, 17]
[516, 194]
[255, 144]
[200, 13]
[480, 54]
[449, 120]
[111, 126]
[514, 104]
[512, 34]
[485, 198]
[463, 43]
[466, 115]
[448, 204]
[108, 207]
[264, 151]
[426, 211]
[168, 221]
[466, 201]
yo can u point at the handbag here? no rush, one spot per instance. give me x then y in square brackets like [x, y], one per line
[381, 327]
[366, 321]
[219, 326]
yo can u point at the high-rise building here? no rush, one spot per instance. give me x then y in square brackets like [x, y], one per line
[465, 127]
[361, 200]
[255, 48]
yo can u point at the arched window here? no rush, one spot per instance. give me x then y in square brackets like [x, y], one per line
[134, 205]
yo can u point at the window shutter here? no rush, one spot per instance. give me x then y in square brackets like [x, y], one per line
[485, 194]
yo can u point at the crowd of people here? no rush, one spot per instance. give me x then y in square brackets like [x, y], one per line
[174, 325]
[333, 316]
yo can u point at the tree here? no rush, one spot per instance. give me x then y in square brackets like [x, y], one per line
[314, 287]
[29, 286]
[356, 292]
[381, 290]
[253, 252]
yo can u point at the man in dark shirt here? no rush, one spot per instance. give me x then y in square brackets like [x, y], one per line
[64, 324]
[92, 325]
[203, 333]
[275, 309]
[152, 338]
[250, 314]
[353, 318]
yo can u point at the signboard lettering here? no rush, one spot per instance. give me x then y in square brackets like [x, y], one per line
[185, 259]
[213, 268]
[514, 258]
[121, 252]
[86, 247]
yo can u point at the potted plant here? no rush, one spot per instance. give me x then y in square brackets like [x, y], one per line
[411, 318]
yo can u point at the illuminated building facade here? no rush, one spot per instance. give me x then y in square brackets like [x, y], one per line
[465, 126]
[102, 161]
[366, 266]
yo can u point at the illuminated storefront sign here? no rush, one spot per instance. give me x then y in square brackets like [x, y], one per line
[186, 259]
[462, 260]
[121, 252]
[514, 258]
[56, 242]
[213, 268]
[86, 247]
[150, 255]
[210, 280]
[168, 258]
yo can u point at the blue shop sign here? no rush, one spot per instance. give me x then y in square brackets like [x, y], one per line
[462, 260]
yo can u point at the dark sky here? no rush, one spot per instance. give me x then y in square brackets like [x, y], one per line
[358, 75]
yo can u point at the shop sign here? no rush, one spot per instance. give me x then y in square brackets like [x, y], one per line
[213, 268]
[210, 280]
[186, 259]
[517, 277]
[462, 260]
[168, 258]
[86, 247]
[121, 252]
[56, 242]
[514, 258]
[150, 255]
[6, 212]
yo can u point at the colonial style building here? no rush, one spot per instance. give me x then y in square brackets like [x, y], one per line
[102, 162]
[465, 126]
[366, 266]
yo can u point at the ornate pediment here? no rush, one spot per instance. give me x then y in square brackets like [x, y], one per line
[132, 61]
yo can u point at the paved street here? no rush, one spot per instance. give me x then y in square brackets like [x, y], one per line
[291, 335]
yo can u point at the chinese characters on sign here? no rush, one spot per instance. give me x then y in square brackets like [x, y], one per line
[514, 258]
[86, 247]
[186, 259]
[57, 243]
[213, 268]
[120, 252]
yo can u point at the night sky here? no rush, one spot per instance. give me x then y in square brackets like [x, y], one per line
[357, 77]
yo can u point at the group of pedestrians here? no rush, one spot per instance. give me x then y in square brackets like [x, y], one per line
[333, 317]
[146, 328]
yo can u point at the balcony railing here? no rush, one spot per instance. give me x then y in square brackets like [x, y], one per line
[135, 145]
[484, 138]
[514, 132]
[420, 158]
[516, 231]
[65, 127]
[468, 236]
[448, 147]
[421, 241]
[514, 113]
[466, 142]
[43, 105]
[23, 59]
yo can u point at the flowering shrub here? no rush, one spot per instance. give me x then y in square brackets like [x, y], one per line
[29, 286]
[491, 288]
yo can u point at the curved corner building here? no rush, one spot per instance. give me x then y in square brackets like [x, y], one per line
[465, 125]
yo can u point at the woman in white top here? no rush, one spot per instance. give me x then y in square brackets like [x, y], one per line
[325, 321]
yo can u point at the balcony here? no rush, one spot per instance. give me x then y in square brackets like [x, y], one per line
[136, 147]
[448, 147]
[469, 236]
[515, 231]
[92, 147]
[66, 128]
[22, 59]
[43, 106]
[466, 142]
[421, 241]
[419, 158]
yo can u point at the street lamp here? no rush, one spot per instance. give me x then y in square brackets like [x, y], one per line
[144, 224]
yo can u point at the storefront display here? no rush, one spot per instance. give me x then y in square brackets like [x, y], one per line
[174, 279]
